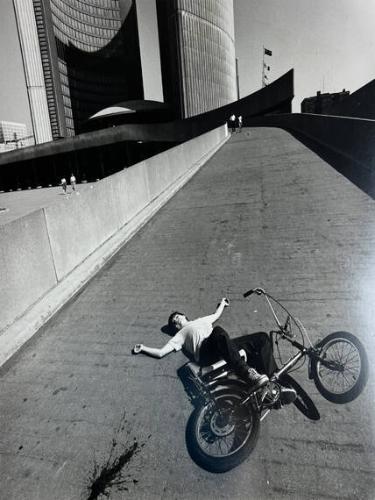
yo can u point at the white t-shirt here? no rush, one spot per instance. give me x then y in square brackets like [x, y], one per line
[191, 336]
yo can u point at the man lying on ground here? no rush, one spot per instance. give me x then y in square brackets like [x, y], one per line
[207, 344]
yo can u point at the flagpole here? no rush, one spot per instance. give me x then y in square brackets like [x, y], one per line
[237, 80]
[266, 52]
[263, 69]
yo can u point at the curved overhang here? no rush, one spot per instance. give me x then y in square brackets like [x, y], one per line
[111, 111]
[131, 106]
[271, 99]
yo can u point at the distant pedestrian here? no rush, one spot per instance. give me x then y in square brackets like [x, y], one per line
[63, 184]
[239, 123]
[232, 122]
[73, 182]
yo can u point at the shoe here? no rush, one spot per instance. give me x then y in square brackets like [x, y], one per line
[255, 379]
[287, 396]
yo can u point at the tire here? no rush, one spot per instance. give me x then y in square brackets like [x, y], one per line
[303, 402]
[345, 383]
[220, 434]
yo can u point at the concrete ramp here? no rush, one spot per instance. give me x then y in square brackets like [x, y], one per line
[46, 256]
[264, 211]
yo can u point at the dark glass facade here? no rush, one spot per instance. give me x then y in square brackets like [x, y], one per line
[90, 58]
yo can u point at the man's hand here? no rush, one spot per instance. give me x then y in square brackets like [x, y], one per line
[219, 310]
[153, 351]
[137, 348]
[225, 301]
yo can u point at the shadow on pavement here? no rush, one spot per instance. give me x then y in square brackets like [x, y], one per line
[355, 172]
[303, 402]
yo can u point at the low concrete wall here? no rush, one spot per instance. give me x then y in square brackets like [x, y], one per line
[353, 138]
[76, 229]
[26, 266]
[49, 254]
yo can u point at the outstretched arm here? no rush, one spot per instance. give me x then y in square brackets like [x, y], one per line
[153, 351]
[219, 311]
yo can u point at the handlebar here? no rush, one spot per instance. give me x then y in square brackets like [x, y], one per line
[258, 291]
[285, 329]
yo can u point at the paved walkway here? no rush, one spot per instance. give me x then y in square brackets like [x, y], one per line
[264, 211]
[16, 204]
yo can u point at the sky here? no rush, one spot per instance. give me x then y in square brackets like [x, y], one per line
[329, 43]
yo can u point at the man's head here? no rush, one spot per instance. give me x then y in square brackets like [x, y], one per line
[177, 320]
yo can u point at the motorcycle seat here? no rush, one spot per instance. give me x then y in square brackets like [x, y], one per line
[201, 371]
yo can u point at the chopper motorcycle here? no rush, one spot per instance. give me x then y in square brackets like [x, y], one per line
[223, 429]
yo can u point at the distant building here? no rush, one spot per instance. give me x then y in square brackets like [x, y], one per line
[79, 58]
[321, 104]
[36, 90]
[197, 53]
[13, 135]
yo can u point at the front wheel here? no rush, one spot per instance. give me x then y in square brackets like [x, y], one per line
[341, 370]
[222, 433]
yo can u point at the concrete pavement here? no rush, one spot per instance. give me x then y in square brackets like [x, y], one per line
[264, 211]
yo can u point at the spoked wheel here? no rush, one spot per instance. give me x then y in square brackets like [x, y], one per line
[222, 433]
[341, 371]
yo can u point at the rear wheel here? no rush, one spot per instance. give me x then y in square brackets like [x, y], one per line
[222, 432]
[341, 371]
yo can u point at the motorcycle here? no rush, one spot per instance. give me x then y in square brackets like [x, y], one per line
[223, 429]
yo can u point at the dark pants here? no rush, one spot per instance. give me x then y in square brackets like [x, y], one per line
[258, 348]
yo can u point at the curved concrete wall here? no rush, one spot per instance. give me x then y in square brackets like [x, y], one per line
[197, 52]
[359, 104]
[207, 54]
[44, 250]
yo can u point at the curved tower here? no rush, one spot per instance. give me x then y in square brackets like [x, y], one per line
[89, 55]
[197, 54]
